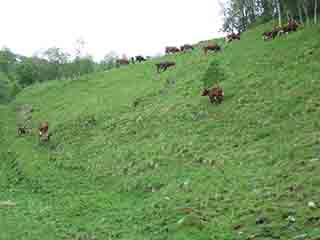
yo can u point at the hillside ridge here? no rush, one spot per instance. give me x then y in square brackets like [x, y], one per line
[140, 155]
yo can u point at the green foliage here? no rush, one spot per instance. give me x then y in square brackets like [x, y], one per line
[172, 166]
[84, 65]
[214, 74]
[8, 88]
[7, 60]
[239, 15]
[27, 72]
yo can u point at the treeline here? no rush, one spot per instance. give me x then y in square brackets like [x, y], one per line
[17, 71]
[241, 14]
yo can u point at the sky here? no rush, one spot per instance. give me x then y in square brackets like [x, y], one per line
[140, 27]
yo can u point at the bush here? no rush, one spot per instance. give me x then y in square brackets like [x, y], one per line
[214, 74]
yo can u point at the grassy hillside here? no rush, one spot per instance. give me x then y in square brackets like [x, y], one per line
[137, 155]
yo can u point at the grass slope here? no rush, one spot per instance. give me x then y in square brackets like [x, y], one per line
[173, 166]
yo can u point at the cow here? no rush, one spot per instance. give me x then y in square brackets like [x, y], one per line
[140, 59]
[232, 36]
[271, 34]
[169, 50]
[122, 61]
[211, 47]
[164, 65]
[186, 47]
[215, 94]
[292, 26]
[44, 135]
[23, 130]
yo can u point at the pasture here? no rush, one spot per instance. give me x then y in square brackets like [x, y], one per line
[139, 155]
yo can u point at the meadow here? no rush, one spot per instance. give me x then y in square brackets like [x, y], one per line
[140, 155]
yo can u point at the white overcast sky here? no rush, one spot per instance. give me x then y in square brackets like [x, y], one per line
[128, 27]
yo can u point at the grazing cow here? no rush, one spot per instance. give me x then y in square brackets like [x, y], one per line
[123, 61]
[186, 47]
[132, 60]
[169, 50]
[233, 36]
[291, 26]
[44, 135]
[271, 35]
[211, 47]
[140, 59]
[164, 65]
[22, 130]
[215, 94]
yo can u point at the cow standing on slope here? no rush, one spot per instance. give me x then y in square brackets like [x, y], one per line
[211, 47]
[215, 94]
[164, 65]
[44, 135]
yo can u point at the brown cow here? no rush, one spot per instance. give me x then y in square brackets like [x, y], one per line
[164, 65]
[122, 61]
[215, 94]
[44, 135]
[272, 34]
[233, 36]
[169, 50]
[211, 47]
[291, 26]
[186, 47]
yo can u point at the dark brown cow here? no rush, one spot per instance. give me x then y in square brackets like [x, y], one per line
[233, 36]
[211, 47]
[164, 65]
[44, 135]
[169, 50]
[291, 26]
[215, 94]
[272, 34]
[186, 47]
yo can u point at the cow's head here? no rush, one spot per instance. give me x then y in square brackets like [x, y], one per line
[205, 92]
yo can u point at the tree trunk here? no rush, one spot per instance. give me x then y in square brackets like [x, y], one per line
[300, 13]
[279, 13]
[315, 11]
[305, 9]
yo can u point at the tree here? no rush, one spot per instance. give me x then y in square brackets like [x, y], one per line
[84, 65]
[57, 58]
[305, 4]
[27, 72]
[214, 74]
[279, 12]
[315, 11]
[7, 60]
[109, 61]
[4, 88]
[80, 47]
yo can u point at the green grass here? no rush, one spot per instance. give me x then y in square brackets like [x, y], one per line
[117, 171]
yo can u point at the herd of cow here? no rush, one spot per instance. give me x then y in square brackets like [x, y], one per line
[291, 26]
[43, 131]
[215, 94]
